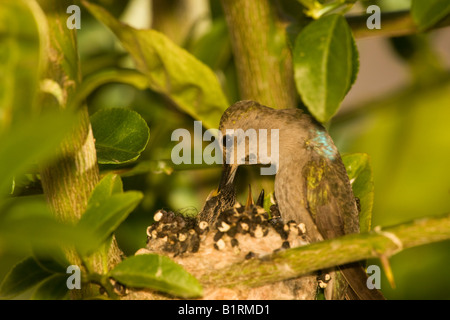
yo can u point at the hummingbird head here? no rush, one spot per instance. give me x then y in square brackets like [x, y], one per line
[244, 140]
[248, 136]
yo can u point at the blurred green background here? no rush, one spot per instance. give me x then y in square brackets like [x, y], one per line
[397, 112]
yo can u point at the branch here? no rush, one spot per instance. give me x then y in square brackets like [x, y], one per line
[263, 60]
[295, 262]
[393, 24]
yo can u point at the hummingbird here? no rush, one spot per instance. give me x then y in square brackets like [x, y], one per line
[311, 182]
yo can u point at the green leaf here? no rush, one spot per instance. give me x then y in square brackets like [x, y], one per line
[427, 13]
[171, 70]
[20, 58]
[52, 260]
[104, 215]
[268, 202]
[34, 139]
[214, 47]
[360, 174]
[159, 273]
[52, 288]
[120, 135]
[325, 65]
[22, 276]
[27, 222]
[93, 81]
[109, 185]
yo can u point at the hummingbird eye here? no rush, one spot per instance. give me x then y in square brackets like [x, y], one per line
[224, 141]
[252, 158]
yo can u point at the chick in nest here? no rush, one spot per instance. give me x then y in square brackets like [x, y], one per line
[238, 233]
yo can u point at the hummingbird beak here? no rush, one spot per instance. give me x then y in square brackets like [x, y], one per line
[227, 178]
[222, 198]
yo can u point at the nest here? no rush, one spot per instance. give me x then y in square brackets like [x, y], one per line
[239, 233]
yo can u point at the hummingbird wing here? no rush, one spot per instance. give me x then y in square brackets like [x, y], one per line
[332, 205]
[329, 196]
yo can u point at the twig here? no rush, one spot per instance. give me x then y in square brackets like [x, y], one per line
[298, 261]
[393, 24]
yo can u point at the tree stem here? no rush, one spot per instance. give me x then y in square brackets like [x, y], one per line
[263, 60]
[68, 182]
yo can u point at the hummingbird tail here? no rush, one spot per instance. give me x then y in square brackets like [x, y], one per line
[356, 277]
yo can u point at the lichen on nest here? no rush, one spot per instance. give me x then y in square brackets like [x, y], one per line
[246, 232]
[238, 234]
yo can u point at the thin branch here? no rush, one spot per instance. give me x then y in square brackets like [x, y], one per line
[393, 24]
[298, 261]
